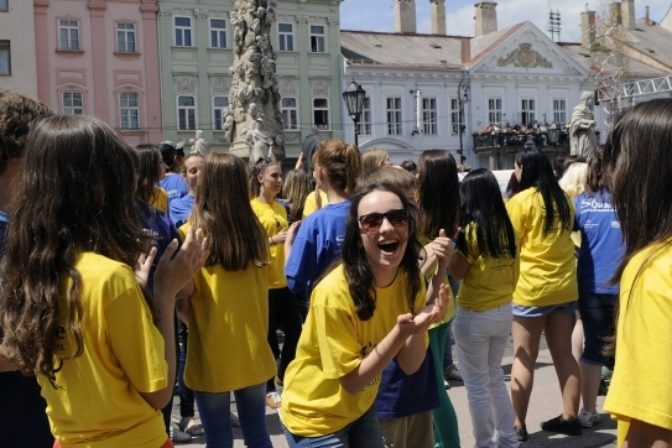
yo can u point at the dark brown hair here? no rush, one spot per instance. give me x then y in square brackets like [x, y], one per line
[439, 193]
[56, 217]
[341, 164]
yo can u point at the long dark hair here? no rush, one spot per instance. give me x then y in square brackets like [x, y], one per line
[222, 209]
[596, 177]
[360, 277]
[638, 161]
[148, 170]
[537, 172]
[56, 217]
[482, 205]
[439, 195]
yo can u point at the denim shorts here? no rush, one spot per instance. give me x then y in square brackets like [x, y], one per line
[540, 311]
[597, 313]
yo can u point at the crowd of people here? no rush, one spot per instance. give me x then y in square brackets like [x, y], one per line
[125, 270]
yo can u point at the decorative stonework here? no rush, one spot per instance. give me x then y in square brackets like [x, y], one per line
[220, 86]
[524, 56]
[320, 87]
[288, 87]
[186, 84]
[253, 120]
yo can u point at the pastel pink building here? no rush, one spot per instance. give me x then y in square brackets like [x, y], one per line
[100, 58]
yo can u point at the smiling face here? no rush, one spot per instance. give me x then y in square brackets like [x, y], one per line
[270, 179]
[192, 169]
[384, 245]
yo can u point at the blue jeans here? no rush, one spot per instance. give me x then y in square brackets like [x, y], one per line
[362, 433]
[215, 411]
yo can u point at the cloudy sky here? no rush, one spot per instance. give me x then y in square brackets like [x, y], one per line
[377, 15]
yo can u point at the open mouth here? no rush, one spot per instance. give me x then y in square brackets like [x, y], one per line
[388, 246]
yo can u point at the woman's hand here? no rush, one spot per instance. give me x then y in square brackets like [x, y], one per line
[177, 266]
[432, 313]
[143, 264]
[279, 238]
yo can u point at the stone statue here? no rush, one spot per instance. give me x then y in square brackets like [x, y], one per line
[254, 118]
[260, 144]
[310, 144]
[582, 137]
[200, 145]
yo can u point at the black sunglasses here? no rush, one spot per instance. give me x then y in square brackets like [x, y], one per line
[372, 221]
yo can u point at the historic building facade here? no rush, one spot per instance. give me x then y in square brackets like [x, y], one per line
[17, 47]
[196, 55]
[100, 58]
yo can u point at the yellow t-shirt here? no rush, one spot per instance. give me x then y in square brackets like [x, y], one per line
[489, 282]
[333, 343]
[273, 218]
[227, 347]
[547, 264]
[160, 199]
[310, 206]
[639, 388]
[98, 402]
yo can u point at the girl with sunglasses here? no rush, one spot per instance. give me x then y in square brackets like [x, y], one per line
[73, 312]
[369, 310]
[283, 306]
[485, 262]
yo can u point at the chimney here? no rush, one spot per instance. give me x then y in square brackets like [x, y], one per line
[438, 8]
[628, 14]
[404, 16]
[647, 17]
[615, 13]
[486, 18]
[588, 29]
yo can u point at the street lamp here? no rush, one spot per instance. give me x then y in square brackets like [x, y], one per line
[462, 97]
[354, 97]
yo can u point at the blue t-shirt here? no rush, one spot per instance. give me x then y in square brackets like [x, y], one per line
[602, 246]
[317, 244]
[22, 407]
[401, 395]
[180, 209]
[161, 229]
[175, 185]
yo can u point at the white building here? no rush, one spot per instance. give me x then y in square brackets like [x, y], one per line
[416, 85]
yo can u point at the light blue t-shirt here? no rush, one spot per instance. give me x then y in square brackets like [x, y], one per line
[175, 185]
[179, 209]
[317, 244]
[602, 245]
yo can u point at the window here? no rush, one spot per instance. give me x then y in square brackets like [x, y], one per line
[128, 108]
[285, 37]
[5, 58]
[68, 35]
[218, 33]
[455, 116]
[559, 111]
[321, 113]
[73, 103]
[290, 114]
[317, 39]
[126, 37]
[182, 31]
[394, 115]
[527, 108]
[429, 116]
[364, 125]
[219, 106]
[4, 6]
[495, 111]
[186, 113]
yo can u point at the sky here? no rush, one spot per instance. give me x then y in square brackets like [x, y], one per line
[378, 15]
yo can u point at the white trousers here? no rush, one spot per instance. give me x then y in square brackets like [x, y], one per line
[480, 338]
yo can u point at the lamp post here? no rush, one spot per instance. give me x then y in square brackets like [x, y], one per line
[462, 97]
[354, 97]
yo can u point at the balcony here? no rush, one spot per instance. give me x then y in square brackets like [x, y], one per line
[512, 139]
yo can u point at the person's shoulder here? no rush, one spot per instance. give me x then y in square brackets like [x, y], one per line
[332, 287]
[96, 269]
